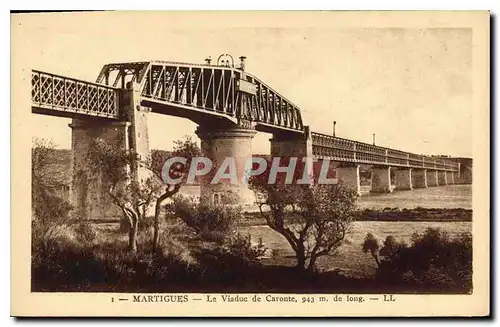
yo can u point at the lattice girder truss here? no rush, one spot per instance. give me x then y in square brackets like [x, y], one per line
[220, 90]
[344, 150]
[68, 96]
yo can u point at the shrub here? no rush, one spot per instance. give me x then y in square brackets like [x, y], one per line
[48, 235]
[203, 217]
[49, 208]
[61, 263]
[241, 247]
[49, 240]
[172, 247]
[235, 262]
[237, 252]
[86, 232]
[432, 261]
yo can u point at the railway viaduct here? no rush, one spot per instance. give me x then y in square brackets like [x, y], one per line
[230, 106]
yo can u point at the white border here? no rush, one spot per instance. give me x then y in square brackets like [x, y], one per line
[185, 5]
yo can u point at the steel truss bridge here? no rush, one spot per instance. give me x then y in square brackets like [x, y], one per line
[344, 150]
[179, 89]
[199, 92]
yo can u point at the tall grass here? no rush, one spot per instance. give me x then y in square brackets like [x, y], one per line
[63, 260]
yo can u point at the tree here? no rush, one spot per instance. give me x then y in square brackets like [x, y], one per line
[371, 245]
[186, 148]
[114, 166]
[313, 219]
[133, 197]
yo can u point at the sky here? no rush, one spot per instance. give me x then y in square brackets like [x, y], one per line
[412, 87]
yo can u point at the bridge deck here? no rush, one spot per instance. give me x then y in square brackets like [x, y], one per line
[200, 91]
[344, 150]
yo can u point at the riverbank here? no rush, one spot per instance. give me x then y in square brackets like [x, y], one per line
[416, 214]
[387, 214]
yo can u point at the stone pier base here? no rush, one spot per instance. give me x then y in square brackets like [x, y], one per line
[432, 178]
[89, 191]
[419, 178]
[442, 178]
[349, 176]
[217, 145]
[381, 180]
[403, 179]
[450, 177]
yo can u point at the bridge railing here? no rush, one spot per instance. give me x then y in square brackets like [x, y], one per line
[51, 92]
[345, 150]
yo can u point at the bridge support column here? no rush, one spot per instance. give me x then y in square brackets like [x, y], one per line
[293, 145]
[89, 191]
[89, 196]
[217, 145]
[442, 180]
[419, 178]
[381, 180]
[289, 145]
[349, 176]
[432, 178]
[464, 175]
[450, 178]
[403, 179]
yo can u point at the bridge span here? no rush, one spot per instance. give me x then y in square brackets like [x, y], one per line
[230, 106]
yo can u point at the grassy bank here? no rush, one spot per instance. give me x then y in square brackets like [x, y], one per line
[96, 260]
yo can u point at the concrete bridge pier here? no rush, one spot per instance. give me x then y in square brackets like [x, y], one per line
[89, 195]
[450, 177]
[286, 145]
[403, 179]
[419, 178]
[89, 191]
[381, 180]
[289, 145]
[442, 180]
[348, 174]
[221, 145]
[432, 178]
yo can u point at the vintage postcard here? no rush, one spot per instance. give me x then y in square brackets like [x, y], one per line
[250, 164]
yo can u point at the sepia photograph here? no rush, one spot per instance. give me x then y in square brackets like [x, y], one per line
[297, 160]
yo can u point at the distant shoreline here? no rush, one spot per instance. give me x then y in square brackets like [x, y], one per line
[254, 218]
[389, 214]
[416, 214]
